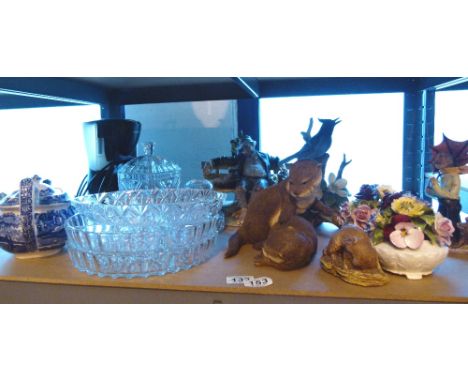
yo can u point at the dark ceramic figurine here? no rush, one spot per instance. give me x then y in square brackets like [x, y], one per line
[316, 147]
[449, 159]
[253, 170]
[245, 172]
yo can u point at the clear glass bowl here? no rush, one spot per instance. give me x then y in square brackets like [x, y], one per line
[150, 207]
[148, 171]
[107, 250]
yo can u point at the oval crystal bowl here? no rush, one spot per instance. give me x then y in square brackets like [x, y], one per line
[106, 250]
[412, 263]
[156, 206]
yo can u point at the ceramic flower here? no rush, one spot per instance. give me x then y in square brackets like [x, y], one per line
[444, 228]
[388, 199]
[337, 186]
[407, 235]
[367, 192]
[400, 219]
[362, 215]
[384, 190]
[406, 221]
[345, 211]
[409, 206]
[380, 220]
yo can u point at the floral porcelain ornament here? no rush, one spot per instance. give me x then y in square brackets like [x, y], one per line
[410, 238]
[364, 208]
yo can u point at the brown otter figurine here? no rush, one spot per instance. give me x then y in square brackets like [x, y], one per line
[351, 257]
[290, 245]
[277, 204]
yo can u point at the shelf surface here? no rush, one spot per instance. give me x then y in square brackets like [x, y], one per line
[449, 283]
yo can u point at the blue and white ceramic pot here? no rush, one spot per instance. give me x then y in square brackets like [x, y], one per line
[32, 219]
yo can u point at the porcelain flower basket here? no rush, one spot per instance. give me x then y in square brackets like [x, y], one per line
[412, 263]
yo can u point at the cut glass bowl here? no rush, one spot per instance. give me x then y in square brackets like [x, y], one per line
[109, 250]
[166, 207]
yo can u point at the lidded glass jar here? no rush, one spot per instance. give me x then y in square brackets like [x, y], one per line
[148, 171]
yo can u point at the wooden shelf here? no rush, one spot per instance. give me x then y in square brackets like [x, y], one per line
[54, 279]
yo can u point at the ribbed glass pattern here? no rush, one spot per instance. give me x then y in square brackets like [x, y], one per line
[107, 250]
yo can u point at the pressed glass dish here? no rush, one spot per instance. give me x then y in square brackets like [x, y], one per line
[145, 207]
[107, 250]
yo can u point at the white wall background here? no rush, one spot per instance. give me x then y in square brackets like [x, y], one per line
[187, 133]
[371, 133]
[44, 141]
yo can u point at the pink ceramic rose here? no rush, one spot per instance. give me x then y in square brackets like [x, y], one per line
[444, 229]
[361, 216]
[344, 212]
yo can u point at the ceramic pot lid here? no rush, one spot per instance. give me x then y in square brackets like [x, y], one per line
[148, 171]
[46, 194]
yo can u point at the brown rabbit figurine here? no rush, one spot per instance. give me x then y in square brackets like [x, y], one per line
[277, 204]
